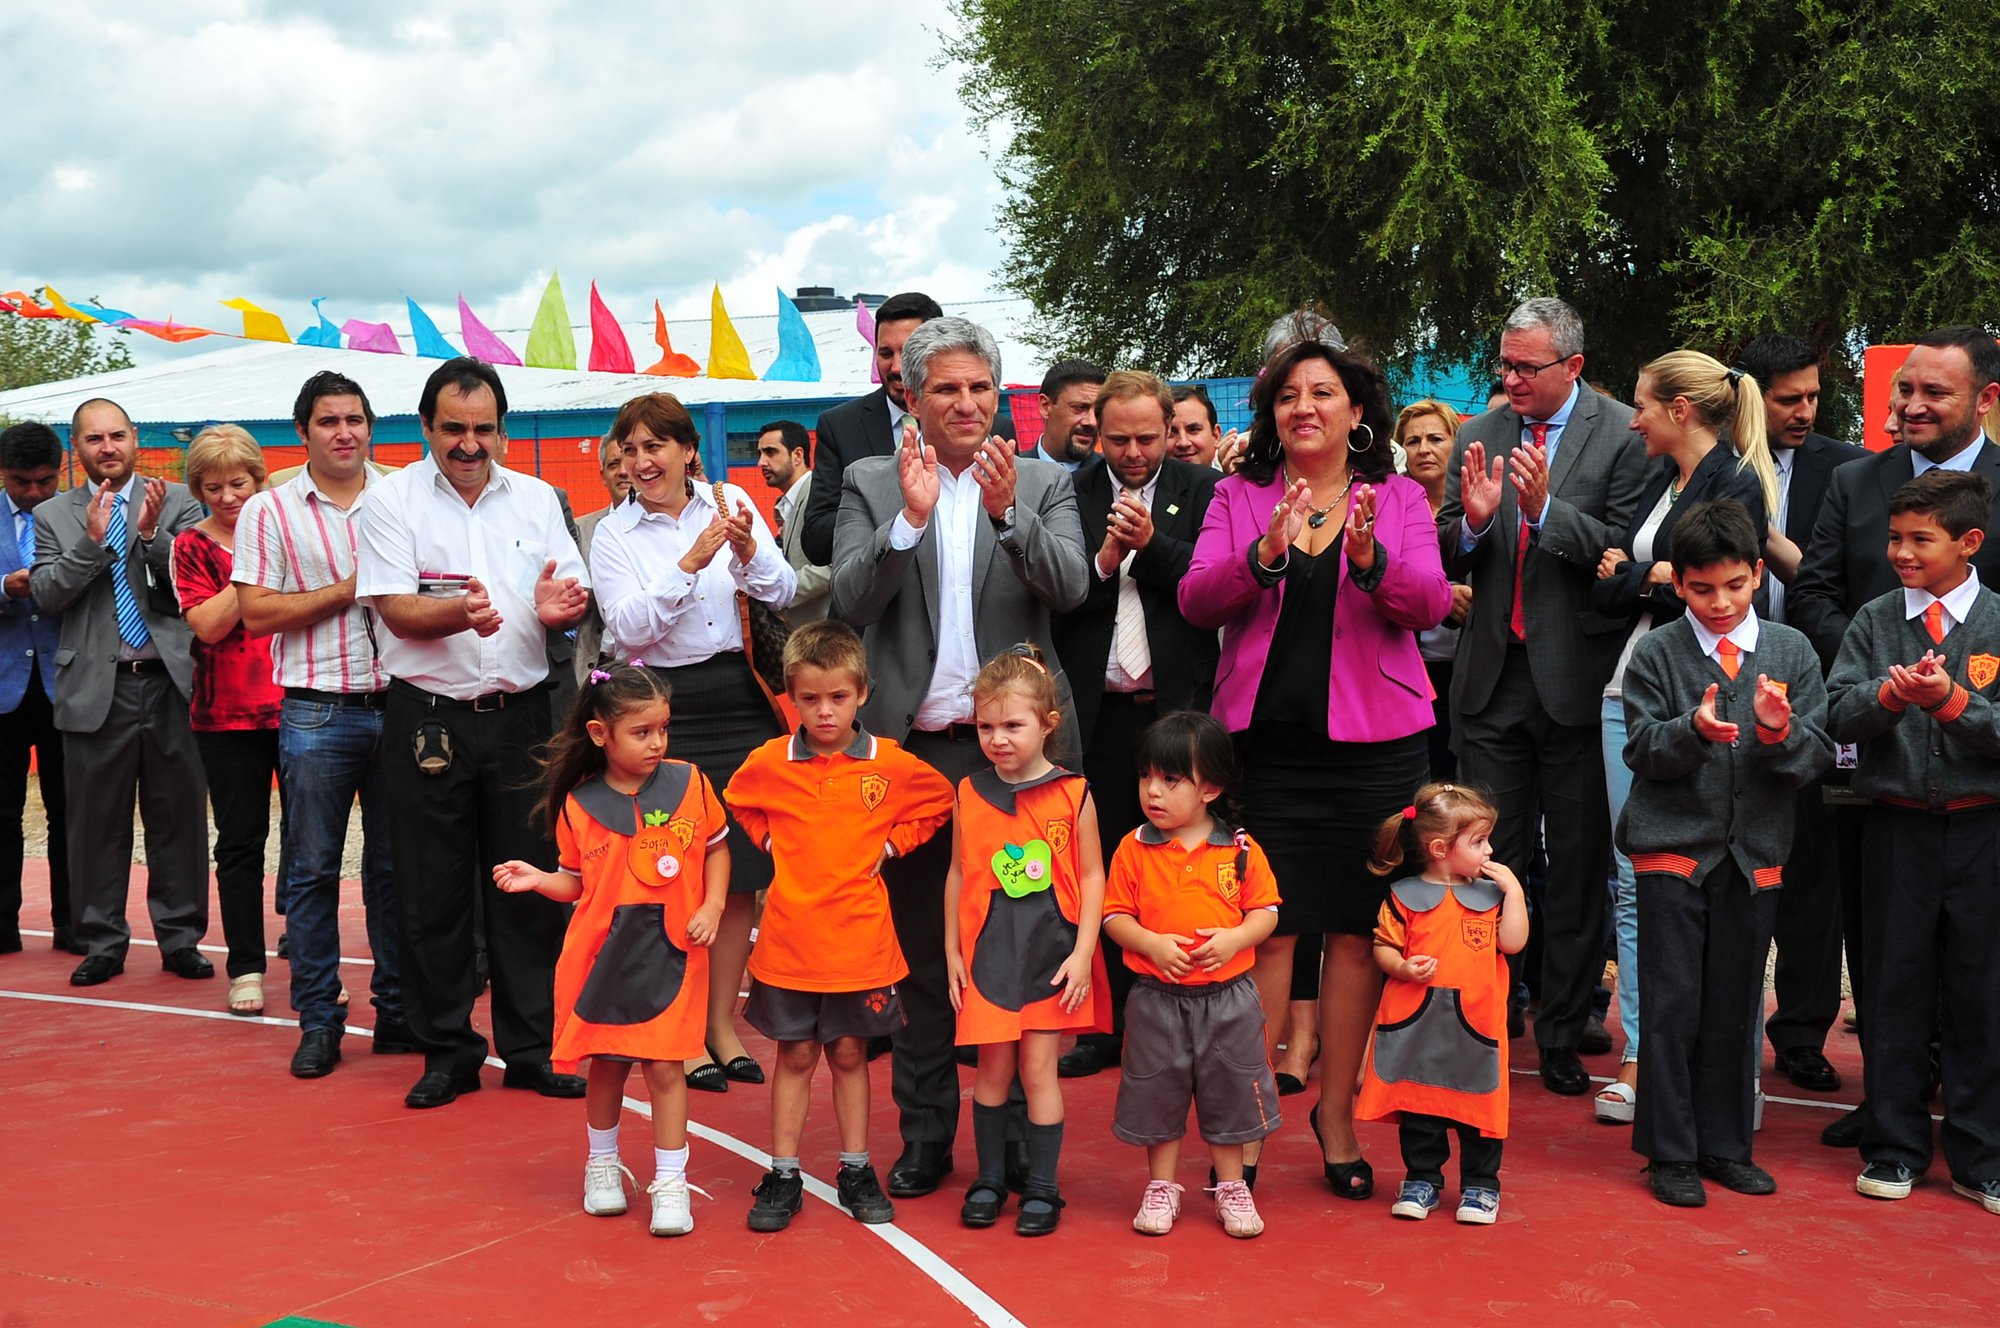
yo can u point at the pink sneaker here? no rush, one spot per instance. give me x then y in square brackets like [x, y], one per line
[1236, 1210]
[1158, 1209]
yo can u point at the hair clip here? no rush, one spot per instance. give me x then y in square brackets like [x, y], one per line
[638, 663]
[598, 676]
[1410, 812]
[1024, 650]
[1735, 377]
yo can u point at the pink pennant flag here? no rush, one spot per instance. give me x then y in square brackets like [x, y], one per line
[479, 342]
[609, 352]
[672, 363]
[377, 337]
[864, 323]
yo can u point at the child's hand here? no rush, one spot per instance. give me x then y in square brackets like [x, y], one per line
[1223, 944]
[1707, 723]
[1166, 952]
[1501, 875]
[517, 877]
[1419, 968]
[954, 967]
[704, 924]
[1926, 684]
[1773, 707]
[882, 859]
[1074, 978]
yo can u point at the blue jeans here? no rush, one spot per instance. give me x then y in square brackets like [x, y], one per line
[1624, 887]
[326, 755]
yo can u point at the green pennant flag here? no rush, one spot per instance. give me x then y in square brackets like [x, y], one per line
[551, 345]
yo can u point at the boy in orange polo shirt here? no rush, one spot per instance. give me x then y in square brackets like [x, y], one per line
[832, 803]
[1188, 899]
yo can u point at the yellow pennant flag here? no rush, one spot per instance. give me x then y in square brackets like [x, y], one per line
[259, 324]
[727, 356]
[63, 307]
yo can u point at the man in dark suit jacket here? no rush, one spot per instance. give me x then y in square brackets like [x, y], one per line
[865, 426]
[1950, 381]
[958, 498]
[1526, 692]
[124, 674]
[1807, 930]
[1140, 512]
[30, 462]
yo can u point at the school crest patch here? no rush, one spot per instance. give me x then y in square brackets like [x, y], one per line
[1981, 670]
[1225, 881]
[682, 829]
[874, 788]
[876, 1001]
[1478, 933]
[1058, 833]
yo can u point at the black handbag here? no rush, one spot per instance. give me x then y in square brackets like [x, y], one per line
[765, 632]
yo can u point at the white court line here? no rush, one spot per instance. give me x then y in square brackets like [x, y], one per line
[212, 949]
[920, 1256]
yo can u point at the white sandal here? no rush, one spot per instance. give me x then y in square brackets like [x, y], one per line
[246, 995]
[1617, 1102]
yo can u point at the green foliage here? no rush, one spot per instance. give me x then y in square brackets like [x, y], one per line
[53, 350]
[1686, 173]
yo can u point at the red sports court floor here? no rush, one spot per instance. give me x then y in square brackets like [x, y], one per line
[161, 1168]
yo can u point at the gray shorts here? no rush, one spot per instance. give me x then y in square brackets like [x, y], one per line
[1202, 1044]
[784, 1015]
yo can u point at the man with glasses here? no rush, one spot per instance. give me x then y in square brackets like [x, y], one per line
[1536, 491]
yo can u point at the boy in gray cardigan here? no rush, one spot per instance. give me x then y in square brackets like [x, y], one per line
[1725, 720]
[1914, 684]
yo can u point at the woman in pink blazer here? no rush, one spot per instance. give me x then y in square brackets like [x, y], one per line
[1320, 565]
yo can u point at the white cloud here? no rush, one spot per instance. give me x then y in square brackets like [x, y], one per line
[282, 152]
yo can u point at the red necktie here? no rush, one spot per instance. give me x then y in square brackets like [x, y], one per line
[1934, 622]
[1519, 621]
[1726, 653]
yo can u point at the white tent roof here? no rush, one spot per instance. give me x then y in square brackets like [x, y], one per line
[257, 380]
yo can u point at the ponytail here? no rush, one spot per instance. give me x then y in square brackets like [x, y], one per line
[1753, 443]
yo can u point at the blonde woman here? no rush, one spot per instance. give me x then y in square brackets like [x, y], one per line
[234, 710]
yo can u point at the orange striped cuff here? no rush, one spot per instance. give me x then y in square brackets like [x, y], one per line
[1774, 736]
[1664, 864]
[1766, 877]
[1954, 705]
[1887, 696]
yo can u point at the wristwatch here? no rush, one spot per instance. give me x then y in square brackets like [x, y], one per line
[1005, 521]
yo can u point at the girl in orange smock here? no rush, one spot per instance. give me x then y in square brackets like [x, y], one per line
[640, 843]
[1026, 891]
[1438, 1057]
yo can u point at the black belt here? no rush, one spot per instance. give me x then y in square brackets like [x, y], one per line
[1144, 697]
[478, 705]
[369, 700]
[142, 667]
[955, 732]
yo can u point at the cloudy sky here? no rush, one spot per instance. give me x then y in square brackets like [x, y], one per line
[162, 157]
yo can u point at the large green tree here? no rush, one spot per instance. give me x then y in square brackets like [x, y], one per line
[51, 350]
[1686, 173]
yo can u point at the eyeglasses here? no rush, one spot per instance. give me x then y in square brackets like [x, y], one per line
[1525, 372]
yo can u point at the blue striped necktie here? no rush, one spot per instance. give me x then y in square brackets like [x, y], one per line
[27, 538]
[131, 627]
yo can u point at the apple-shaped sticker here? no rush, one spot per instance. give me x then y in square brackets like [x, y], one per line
[1024, 869]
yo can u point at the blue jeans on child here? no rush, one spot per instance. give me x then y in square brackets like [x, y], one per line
[1624, 888]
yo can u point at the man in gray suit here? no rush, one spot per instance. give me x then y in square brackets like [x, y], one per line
[945, 555]
[784, 459]
[1526, 532]
[123, 677]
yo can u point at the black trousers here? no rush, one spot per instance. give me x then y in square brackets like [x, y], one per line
[1426, 1142]
[31, 727]
[1535, 768]
[924, 1066]
[1933, 912]
[1807, 932]
[1701, 984]
[240, 765]
[446, 832]
[1110, 763]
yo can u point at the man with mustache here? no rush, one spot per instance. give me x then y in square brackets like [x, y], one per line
[1069, 420]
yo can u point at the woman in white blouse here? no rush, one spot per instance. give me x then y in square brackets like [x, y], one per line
[667, 568]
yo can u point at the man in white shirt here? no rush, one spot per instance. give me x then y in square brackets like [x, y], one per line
[295, 567]
[784, 458]
[466, 563]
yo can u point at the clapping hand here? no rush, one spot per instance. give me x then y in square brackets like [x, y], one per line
[1773, 707]
[1529, 465]
[917, 473]
[558, 603]
[994, 469]
[1707, 723]
[1926, 684]
[1229, 452]
[742, 534]
[1288, 518]
[706, 545]
[149, 509]
[1479, 487]
[1361, 528]
[480, 615]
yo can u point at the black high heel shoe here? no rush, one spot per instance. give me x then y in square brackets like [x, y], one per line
[1349, 1180]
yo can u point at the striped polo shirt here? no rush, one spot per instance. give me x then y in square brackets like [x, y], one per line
[293, 539]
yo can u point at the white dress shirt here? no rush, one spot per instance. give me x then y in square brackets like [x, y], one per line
[415, 521]
[1919, 463]
[1744, 634]
[1115, 678]
[1957, 603]
[956, 520]
[667, 617]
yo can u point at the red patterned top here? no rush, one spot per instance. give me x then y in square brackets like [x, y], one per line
[233, 688]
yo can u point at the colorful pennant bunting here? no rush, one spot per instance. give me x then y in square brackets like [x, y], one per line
[259, 324]
[551, 344]
[431, 344]
[672, 363]
[609, 352]
[479, 341]
[727, 356]
[864, 323]
[798, 358]
[377, 337]
[326, 335]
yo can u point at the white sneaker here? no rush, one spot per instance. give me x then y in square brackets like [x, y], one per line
[604, 1178]
[1757, 1111]
[1236, 1210]
[1158, 1209]
[673, 1214]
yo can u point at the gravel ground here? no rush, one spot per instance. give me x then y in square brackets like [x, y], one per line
[35, 834]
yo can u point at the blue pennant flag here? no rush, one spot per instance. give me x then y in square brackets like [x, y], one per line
[430, 342]
[326, 334]
[798, 357]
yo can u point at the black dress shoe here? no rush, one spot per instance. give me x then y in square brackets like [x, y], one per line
[1809, 1068]
[392, 1038]
[542, 1079]
[919, 1169]
[187, 962]
[982, 1204]
[318, 1053]
[65, 941]
[438, 1087]
[1742, 1177]
[1677, 1184]
[10, 944]
[1596, 1039]
[1016, 1169]
[96, 969]
[1843, 1133]
[1038, 1215]
[1563, 1072]
[1083, 1060]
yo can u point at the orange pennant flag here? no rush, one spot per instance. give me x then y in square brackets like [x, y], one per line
[672, 363]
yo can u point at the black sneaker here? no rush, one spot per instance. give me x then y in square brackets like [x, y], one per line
[776, 1200]
[1885, 1180]
[861, 1195]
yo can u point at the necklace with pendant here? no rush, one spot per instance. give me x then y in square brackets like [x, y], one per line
[1319, 514]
